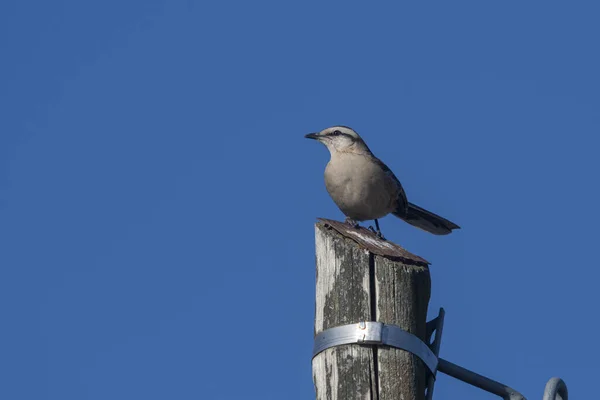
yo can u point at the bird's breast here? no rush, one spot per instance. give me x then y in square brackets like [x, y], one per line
[359, 187]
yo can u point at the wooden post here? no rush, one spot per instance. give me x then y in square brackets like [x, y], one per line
[362, 278]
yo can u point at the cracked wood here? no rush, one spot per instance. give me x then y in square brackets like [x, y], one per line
[353, 285]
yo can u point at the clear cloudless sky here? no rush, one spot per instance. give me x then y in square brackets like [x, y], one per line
[158, 198]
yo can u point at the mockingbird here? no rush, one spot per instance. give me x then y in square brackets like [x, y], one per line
[364, 188]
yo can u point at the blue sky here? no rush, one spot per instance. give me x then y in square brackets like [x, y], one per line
[157, 197]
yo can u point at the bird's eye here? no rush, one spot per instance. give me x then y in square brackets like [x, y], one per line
[336, 133]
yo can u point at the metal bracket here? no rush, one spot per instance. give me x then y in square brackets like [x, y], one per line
[380, 334]
[434, 327]
[376, 333]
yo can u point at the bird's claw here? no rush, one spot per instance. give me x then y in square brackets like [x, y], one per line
[376, 232]
[352, 222]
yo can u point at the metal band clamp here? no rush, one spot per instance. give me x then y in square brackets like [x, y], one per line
[376, 333]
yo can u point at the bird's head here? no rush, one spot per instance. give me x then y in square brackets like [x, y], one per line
[340, 139]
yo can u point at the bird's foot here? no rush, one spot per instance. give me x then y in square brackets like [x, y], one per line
[377, 233]
[352, 222]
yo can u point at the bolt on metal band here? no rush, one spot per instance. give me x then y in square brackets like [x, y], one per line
[376, 333]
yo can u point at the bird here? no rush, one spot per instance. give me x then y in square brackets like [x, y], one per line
[364, 188]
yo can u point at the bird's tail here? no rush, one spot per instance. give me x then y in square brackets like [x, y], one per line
[426, 220]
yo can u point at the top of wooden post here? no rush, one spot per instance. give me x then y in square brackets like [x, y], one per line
[369, 241]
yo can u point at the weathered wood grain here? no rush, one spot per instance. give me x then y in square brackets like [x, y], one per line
[344, 372]
[353, 285]
[402, 293]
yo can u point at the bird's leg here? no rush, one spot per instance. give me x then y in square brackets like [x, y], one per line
[379, 234]
[352, 222]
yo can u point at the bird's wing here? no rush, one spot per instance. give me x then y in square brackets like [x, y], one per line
[402, 202]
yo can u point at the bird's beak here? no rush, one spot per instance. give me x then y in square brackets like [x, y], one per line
[312, 136]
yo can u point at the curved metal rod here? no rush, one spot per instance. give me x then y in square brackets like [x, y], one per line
[473, 378]
[556, 389]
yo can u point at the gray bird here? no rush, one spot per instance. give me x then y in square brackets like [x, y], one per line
[364, 188]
